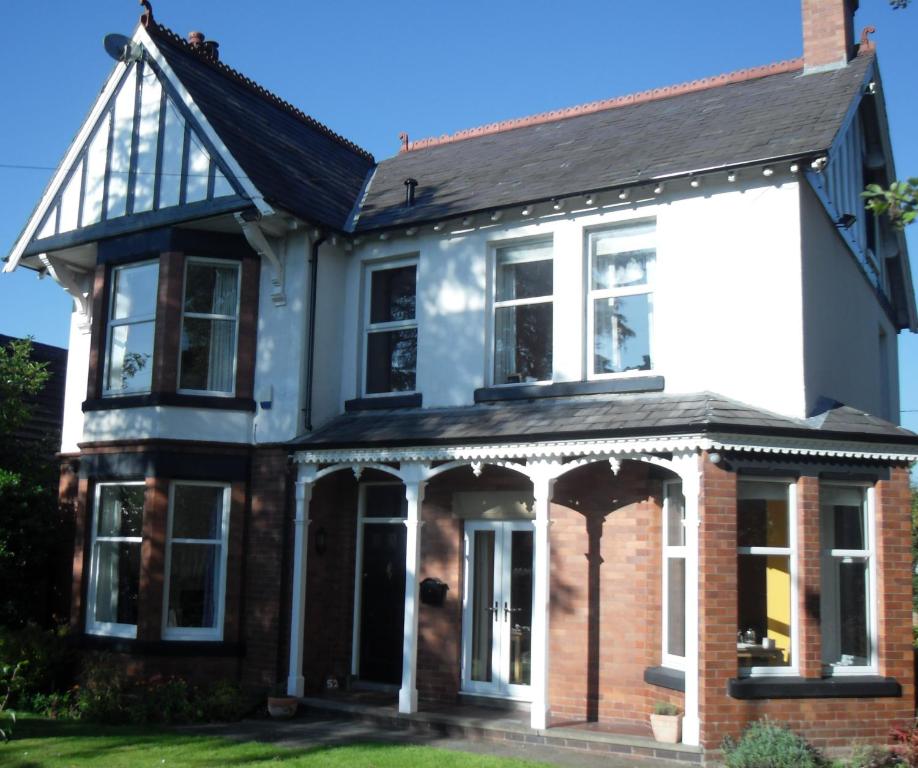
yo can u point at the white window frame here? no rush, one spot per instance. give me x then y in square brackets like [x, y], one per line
[829, 590]
[790, 552]
[112, 323]
[493, 249]
[363, 520]
[93, 627]
[198, 633]
[210, 316]
[592, 295]
[671, 553]
[394, 325]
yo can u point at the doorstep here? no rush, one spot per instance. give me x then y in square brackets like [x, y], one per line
[479, 724]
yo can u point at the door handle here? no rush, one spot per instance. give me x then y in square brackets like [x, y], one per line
[493, 611]
[508, 610]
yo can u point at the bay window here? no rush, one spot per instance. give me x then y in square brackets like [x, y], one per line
[131, 326]
[210, 312]
[673, 575]
[620, 300]
[115, 559]
[766, 574]
[391, 331]
[847, 596]
[523, 309]
[195, 570]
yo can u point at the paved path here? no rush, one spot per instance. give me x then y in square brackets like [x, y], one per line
[314, 730]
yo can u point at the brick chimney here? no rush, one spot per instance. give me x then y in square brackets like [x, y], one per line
[828, 33]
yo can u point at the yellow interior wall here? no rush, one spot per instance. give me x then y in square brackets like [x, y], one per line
[778, 583]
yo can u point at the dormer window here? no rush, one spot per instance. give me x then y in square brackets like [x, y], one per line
[391, 329]
[210, 313]
[620, 304]
[131, 326]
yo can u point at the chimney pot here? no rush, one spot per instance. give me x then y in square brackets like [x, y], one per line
[196, 38]
[828, 33]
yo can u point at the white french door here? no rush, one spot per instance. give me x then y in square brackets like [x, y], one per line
[497, 609]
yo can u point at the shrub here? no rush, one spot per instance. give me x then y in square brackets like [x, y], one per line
[665, 708]
[765, 744]
[224, 702]
[47, 661]
[60, 705]
[905, 744]
[160, 700]
[101, 695]
[872, 757]
[8, 676]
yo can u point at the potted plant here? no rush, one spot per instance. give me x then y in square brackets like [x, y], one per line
[280, 705]
[666, 723]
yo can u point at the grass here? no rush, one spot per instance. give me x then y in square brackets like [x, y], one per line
[40, 743]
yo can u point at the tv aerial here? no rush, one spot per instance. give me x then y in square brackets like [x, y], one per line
[122, 48]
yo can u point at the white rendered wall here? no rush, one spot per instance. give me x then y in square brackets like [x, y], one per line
[727, 303]
[843, 321]
[168, 423]
[77, 378]
[332, 305]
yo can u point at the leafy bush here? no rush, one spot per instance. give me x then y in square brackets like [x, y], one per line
[765, 744]
[60, 705]
[101, 697]
[8, 676]
[224, 702]
[872, 757]
[665, 708]
[905, 744]
[47, 661]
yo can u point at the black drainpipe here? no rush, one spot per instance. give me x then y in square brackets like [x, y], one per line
[311, 345]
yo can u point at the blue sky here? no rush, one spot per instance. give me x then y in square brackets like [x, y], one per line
[373, 68]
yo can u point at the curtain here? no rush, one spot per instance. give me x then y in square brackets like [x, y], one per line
[222, 332]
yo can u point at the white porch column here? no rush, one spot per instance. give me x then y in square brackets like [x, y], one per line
[414, 495]
[542, 484]
[687, 467]
[304, 483]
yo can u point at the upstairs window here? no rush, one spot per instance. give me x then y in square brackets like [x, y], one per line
[131, 326]
[210, 312]
[620, 300]
[115, 560]
[196, 561]
[523, 309]
[847, 609]
[391, 329]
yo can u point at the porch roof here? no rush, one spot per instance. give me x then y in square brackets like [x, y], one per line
[593, 417]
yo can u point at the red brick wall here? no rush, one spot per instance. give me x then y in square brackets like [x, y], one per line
[827, 31]
[831, 723]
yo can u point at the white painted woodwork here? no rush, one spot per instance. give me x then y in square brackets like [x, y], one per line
[304, 485]
[76, 381]
[414, 495]
[168, 422]
[542, 484]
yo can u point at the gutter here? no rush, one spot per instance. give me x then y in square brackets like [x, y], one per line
[311, 342]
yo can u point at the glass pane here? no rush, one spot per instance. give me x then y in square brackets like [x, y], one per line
[392, 294]
[762, 523]
[523, 343]
[197, 512]
[675, 637]
[193, 585]
[130, 356]
[117, 582]
[391, 360]
[483, 606]
[524, 273]
[675, 515]
[620, 270]
[764, 591]
[385, 501]
[211, 288]
[208, 354]
[134, 291]
[621, 334]
[120, 510]
[853, 637]
[520, 607]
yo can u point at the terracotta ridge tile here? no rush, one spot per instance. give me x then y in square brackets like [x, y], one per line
[175, 39]
[655, 94]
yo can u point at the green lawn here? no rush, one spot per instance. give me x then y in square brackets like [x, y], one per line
[41, 743]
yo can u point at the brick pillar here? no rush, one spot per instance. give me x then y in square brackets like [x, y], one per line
[808, 577]
[94, 385]
[82, 535]
[894, 579]
[152, 560]
[717, 600]
[168, 319]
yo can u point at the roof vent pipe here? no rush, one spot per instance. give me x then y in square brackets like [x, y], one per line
[410, 184]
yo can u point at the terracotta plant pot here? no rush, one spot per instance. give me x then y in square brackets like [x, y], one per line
[282, 707]
[666, 728]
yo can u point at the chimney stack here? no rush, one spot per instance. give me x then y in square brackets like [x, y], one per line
[210, 48]
[828, 34]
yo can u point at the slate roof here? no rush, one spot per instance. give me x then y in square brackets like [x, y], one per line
[297, 163]
[780, 115]
[592, 417]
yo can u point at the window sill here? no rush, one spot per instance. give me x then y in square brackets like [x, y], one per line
[383, 402]
[112, 403]
[665, 677]
[842, 687]
[215, 648]
[569, 389]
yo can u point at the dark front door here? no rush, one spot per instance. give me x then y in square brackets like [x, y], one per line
[382, 612]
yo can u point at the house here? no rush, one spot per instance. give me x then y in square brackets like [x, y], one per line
[585, 410]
